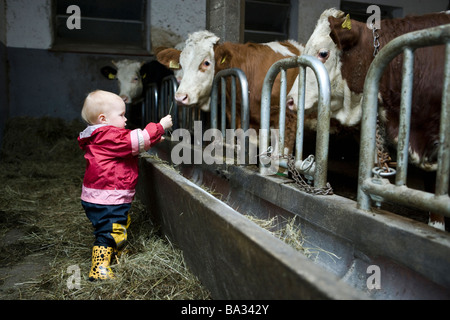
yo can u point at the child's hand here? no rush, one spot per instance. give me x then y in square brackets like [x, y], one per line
[166, 122]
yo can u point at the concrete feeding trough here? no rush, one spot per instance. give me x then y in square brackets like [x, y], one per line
[361, 255]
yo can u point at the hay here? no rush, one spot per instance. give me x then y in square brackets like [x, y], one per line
[290, 232]
[41, 170]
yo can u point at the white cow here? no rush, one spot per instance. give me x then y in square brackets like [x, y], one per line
[133, 76]
[197, 62]
[345, 104]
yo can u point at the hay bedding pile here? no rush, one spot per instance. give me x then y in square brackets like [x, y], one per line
[41, 171]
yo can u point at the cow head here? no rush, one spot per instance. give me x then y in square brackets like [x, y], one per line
[197, 63]
[324, 45]
[129, 76]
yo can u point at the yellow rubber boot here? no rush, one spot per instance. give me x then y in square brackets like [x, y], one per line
[101, 259]
[117, 254]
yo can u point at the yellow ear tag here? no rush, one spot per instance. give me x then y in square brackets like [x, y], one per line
[111, 76]
[347, 24]
[223, 60]
[174, 65]
[144, 75]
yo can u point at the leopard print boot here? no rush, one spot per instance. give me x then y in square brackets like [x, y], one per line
[101, 258]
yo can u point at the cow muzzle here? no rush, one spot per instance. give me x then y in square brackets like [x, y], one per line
[182, 98]
[291, 104]
[125, 98]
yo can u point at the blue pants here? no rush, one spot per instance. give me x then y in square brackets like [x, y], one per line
[110, 223]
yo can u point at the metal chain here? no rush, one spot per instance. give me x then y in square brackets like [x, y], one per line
[297, 177]
[383, 157]
[376, 42]
[302, 184]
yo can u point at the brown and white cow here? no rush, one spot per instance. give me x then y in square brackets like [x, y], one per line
[203, 57]
[347, 50]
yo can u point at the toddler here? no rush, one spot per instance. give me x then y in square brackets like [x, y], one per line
[111, 172]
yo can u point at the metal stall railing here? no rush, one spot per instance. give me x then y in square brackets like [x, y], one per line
[166, 102]
[381, 189]
[157, 104]
[319, 169]
[221, 78]
[149, 104]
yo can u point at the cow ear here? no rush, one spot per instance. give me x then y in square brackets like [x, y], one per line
[170, 58]
[146, 68]
[223, 56]
[344, 32]
[109, 72]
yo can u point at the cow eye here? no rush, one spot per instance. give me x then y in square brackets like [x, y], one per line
[323, 55]
[205, 65]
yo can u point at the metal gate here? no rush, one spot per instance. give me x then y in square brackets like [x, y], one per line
[381, 189]
[149, 104]
[221, 78]
[318, 169]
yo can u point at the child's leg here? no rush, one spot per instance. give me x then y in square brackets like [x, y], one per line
[111, 224]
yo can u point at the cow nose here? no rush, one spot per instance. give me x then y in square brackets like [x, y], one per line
[290, 104]
[125, 98]
[183, 98]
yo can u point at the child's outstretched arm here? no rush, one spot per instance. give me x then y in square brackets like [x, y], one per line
[153, 132]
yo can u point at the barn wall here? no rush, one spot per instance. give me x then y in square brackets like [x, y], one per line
[43, 82]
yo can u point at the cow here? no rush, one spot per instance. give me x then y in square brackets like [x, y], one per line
[133, 76]
[203, 57]
[345, 46]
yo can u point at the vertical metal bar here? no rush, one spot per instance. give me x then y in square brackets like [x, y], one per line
[245, 106]
[174, 103]
[323, 120]
[183, 117]
[161, 101]
[155, 101]
[442, 174]
[214, 94]
[223, 104]
[300, 114]
[266, 92]
[405, 116]
[233, 102]
[282, 115]
[191, 118]
[368, 132]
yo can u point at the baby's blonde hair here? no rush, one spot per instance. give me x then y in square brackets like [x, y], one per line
[95, 104]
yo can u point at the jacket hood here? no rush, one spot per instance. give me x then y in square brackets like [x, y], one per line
[84, 137]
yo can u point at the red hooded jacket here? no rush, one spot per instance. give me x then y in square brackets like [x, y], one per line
[112, 162]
